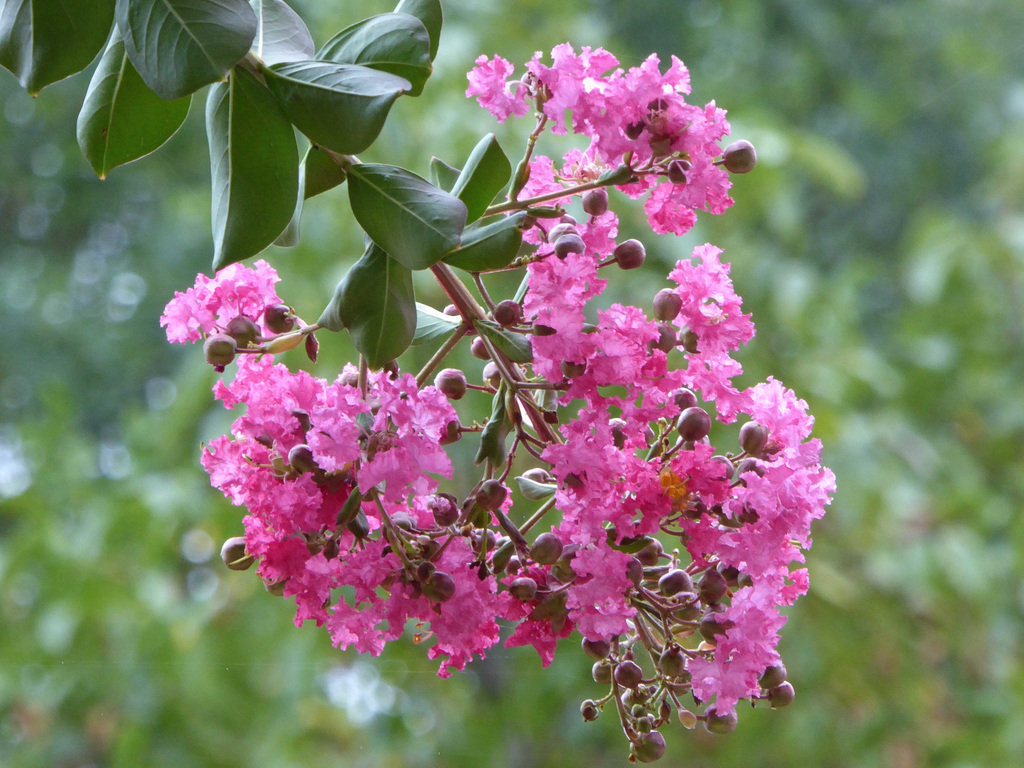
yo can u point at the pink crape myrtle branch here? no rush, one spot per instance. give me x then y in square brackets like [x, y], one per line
[672, 558]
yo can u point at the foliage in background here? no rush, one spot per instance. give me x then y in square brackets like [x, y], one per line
[881, 239]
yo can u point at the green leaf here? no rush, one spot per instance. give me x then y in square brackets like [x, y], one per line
[411, 219]
[429, 12]
[320, 171]
[484, 175]
[178, 46]
[375, 302]
[391, 42]
[535, 491]
[281, 34]
[43, 41]
[515, 345]
[254, 165]
[122, 119]
[443, 175]
[489, 246]
[492, 438]
[432, 325]
[290, 237]
[339, 106]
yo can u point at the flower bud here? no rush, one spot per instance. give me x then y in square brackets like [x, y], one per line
[630, 254]
[312, 347]
[243, 330]
[440, 587]
[491, 374]
[672, 663]
[753, 437]
[597, 649]
[677, 171]
[633, 130]
[602, 672]
[717, 723]
[491, 494]
[648, 747]
[479, 349]
[667, 338]
[684, 399]
[219, 349]
[404, 520]
[571, 370]
[651, 553]
[628, 674]
[451, 310]
[359, 526]
[739, 157]
[687, 719]
[712, 587]
[781, 695]
[276, 588]
[451, 383]
[635, 571]
[667, 304]
[567, 244]
[300, 459]
[539, 475]
[546, 549]
[694, 424]
[589, 710]
[508, 313]
[773, 676]
[543, 330]
[524, 588]
[279, 318]
[595, 201]
[688, 339]
[674, 582]
[452, 433]
[234, 555]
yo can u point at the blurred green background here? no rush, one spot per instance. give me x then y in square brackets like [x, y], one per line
[879, 245]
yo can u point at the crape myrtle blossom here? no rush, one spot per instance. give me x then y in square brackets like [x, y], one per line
[639, 522]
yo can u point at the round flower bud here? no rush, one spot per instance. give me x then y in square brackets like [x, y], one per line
[571, 370]
[567, 218]
[687, 719]
[451, 310]
[595, 201]
[602, 672]
[546, 549]
[279, 318]
[712, 587]
[234, 555]
[717, 723]
[781, 695]
[276, 588]
[491, 494]
[635, 571]
[677, 171]
[359, 526]
[451, 383]
[424, 570]
[618, 435]
[562, 229]
[773, 676]
[684, 399]
[739, 157]
[597, 649]
[243, 330]
[651, 553]
[753, 437]
[524, 588]
[644, 723]
[567, 244]
[491, 374]
[648, 747]
[633, 130]
[452, 433]
[300, 459]
[674, 582]
[479, 349]
[404, 520]
[667, 304]
[667, 338]
[630, 254]
[710, 628]
[589, 710]
[749, 465]
[508, 313]
[689, 341]
[219, 349]
[672, 663]
[628, 674]
[694, 424]
[538, 475]
[440, 587]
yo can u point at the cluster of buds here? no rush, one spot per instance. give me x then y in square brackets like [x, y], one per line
[671, 558]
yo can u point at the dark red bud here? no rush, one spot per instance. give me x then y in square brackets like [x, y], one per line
[781, 695]
[717, 723]
[491, 494]
[234, 555]
[597, 649]
[440, 587]
[219, 349]
[300, 459]
[508, 313]
[630, 254]
[595, 201]
[740, 157]
[524, 588]
[561, 229]
[451, 382]
[243, 330]
[674, 582]
[694, 424]
[279, 318]
[628, 674]
[667, 304]
[479, 349]
[546, 549]
[567, 244]
[753, 437]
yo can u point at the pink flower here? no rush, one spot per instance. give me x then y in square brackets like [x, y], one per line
[488, 81]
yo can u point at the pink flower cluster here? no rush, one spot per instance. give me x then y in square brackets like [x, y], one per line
[637, 117]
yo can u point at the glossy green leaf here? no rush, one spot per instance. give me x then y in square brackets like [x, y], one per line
[289, 238]
[254, 166]
[281, 34]
[43, 41]
[516, 346]
[432, 325]
[391, 42]
[443, 175]
[429, 12]
[339, 106]
[483, 176]
[408, 217]
[320, 172]
[122, 119]
[178, 46]
[375, 302]
[535, 491]
[492, 438]
[490, 245]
